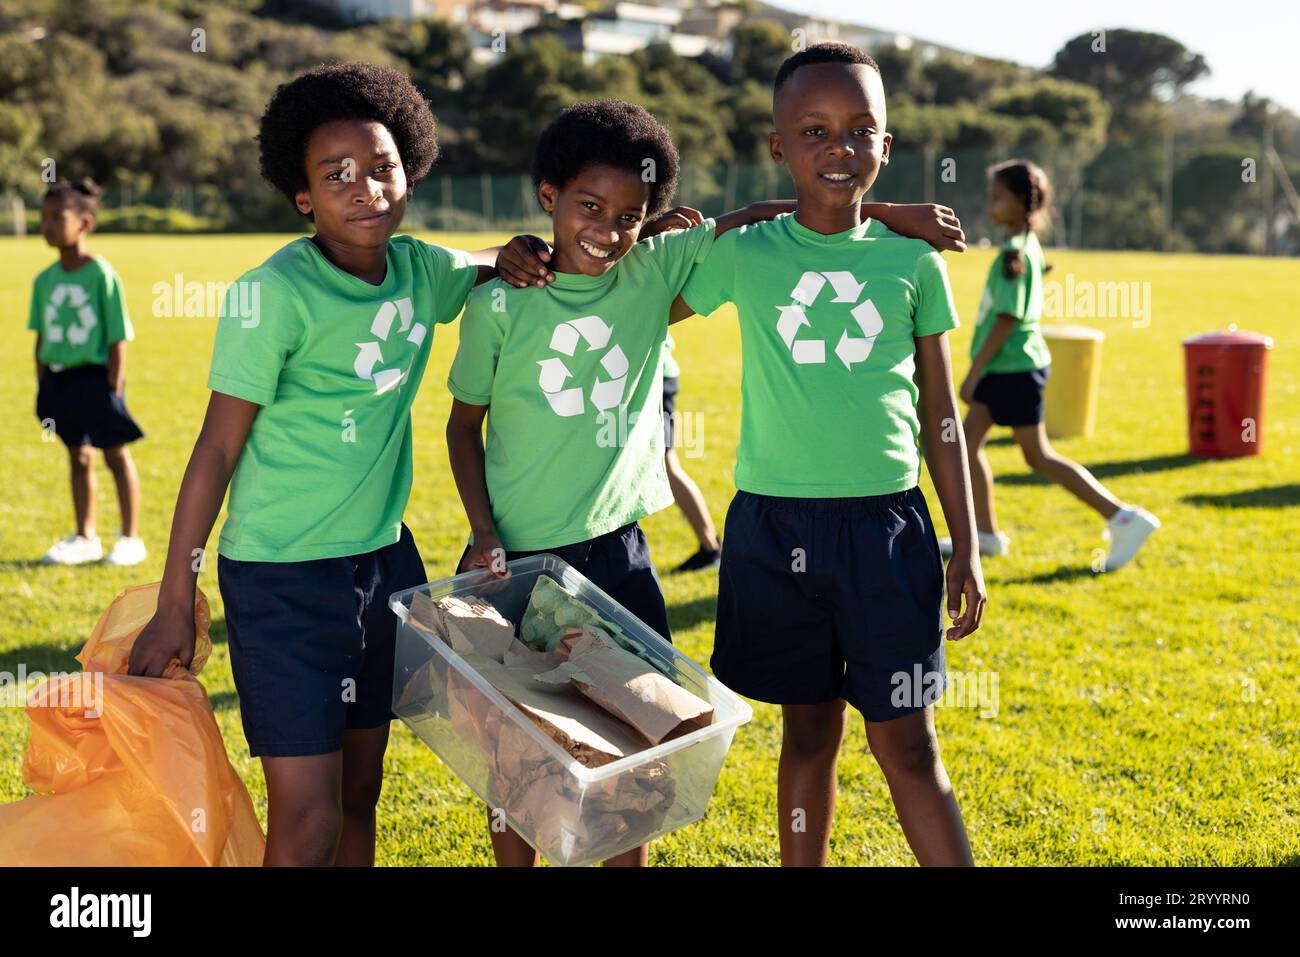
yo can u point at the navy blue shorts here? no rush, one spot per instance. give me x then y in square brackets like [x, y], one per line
[1013, 398]
[671, 385]
[83, 409]
[312, 644]
[828, 598]
[618, 563]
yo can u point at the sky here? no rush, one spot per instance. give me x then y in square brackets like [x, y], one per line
[1248, 44]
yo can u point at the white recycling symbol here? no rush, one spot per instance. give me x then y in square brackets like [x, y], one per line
[605, 394]
[77, 299]
[370, 354]
[850, 349]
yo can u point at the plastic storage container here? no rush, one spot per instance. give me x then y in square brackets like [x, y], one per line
[1227, 373]
[1070, 397]
[571, 814]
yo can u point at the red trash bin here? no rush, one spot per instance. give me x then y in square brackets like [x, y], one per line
[1226, 376]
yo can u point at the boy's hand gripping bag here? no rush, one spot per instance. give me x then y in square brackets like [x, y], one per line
[129, 771]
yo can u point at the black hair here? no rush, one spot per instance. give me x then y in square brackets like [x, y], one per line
[1027, 182]
[821, 53]
[83, 194]
[608, 133]
[344, 91]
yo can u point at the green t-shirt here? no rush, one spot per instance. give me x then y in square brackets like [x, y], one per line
[671, 369]
[79, 314]
[1022, 297]
[335, 363]
[828, 401]
[573, 377]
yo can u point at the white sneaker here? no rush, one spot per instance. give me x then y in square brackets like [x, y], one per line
[127, 550]
[1127, 530]
[990, 543]
[74, 550]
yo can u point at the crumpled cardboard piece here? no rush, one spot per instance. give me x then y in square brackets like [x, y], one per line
[469, 625]
[626, 686]
[524, 778]
[147, 781]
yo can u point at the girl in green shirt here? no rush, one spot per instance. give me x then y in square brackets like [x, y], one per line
[319, 353]
[1009, 368]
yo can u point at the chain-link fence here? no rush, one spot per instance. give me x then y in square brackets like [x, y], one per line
[1161, 194]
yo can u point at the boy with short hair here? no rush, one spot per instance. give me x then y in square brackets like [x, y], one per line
[82, 327]
[831, 584]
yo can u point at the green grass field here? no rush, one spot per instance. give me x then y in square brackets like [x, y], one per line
[1147, 717]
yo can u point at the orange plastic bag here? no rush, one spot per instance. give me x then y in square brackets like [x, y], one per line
[129, 770]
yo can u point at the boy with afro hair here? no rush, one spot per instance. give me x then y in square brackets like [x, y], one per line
[319, 352]
[569, 373]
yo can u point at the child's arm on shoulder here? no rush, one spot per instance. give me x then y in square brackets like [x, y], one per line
[465, 449]
[170, 633]
[117, 366]
[943, 445]
[1003, 326]
[937, 225]
[520, 262]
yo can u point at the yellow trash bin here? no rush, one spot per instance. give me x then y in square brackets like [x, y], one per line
[1070, 398]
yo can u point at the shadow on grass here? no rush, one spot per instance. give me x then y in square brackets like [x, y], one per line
[1105, 470]
[224, 701]
[691, 613]
[42, 657]
[1064, 573]
[1273, 496]
[46, 656]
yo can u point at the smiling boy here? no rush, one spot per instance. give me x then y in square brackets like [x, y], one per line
[831, 584]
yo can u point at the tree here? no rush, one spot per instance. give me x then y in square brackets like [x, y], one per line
[1256, 114]
[1130, 69]
[900, 68]
[759, 48]
[19, 156]
[1074, 112]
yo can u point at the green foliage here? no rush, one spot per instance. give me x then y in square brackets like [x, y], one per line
[116, 90]
[758, 49]
[1218, 210]
[1069, 111]
[1133, 69]
[952, 79]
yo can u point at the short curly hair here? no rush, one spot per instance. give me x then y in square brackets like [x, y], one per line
[344, 91]
[608, 133]
[822, 53]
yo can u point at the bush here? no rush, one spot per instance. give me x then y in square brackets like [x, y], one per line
[140, 219]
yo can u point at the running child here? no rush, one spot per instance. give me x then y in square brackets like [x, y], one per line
[318, 355]
[831, 588]
[82, 327]
[1010, 363]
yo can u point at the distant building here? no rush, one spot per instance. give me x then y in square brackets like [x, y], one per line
[690, 27]
[365, 10]
[624, 28]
